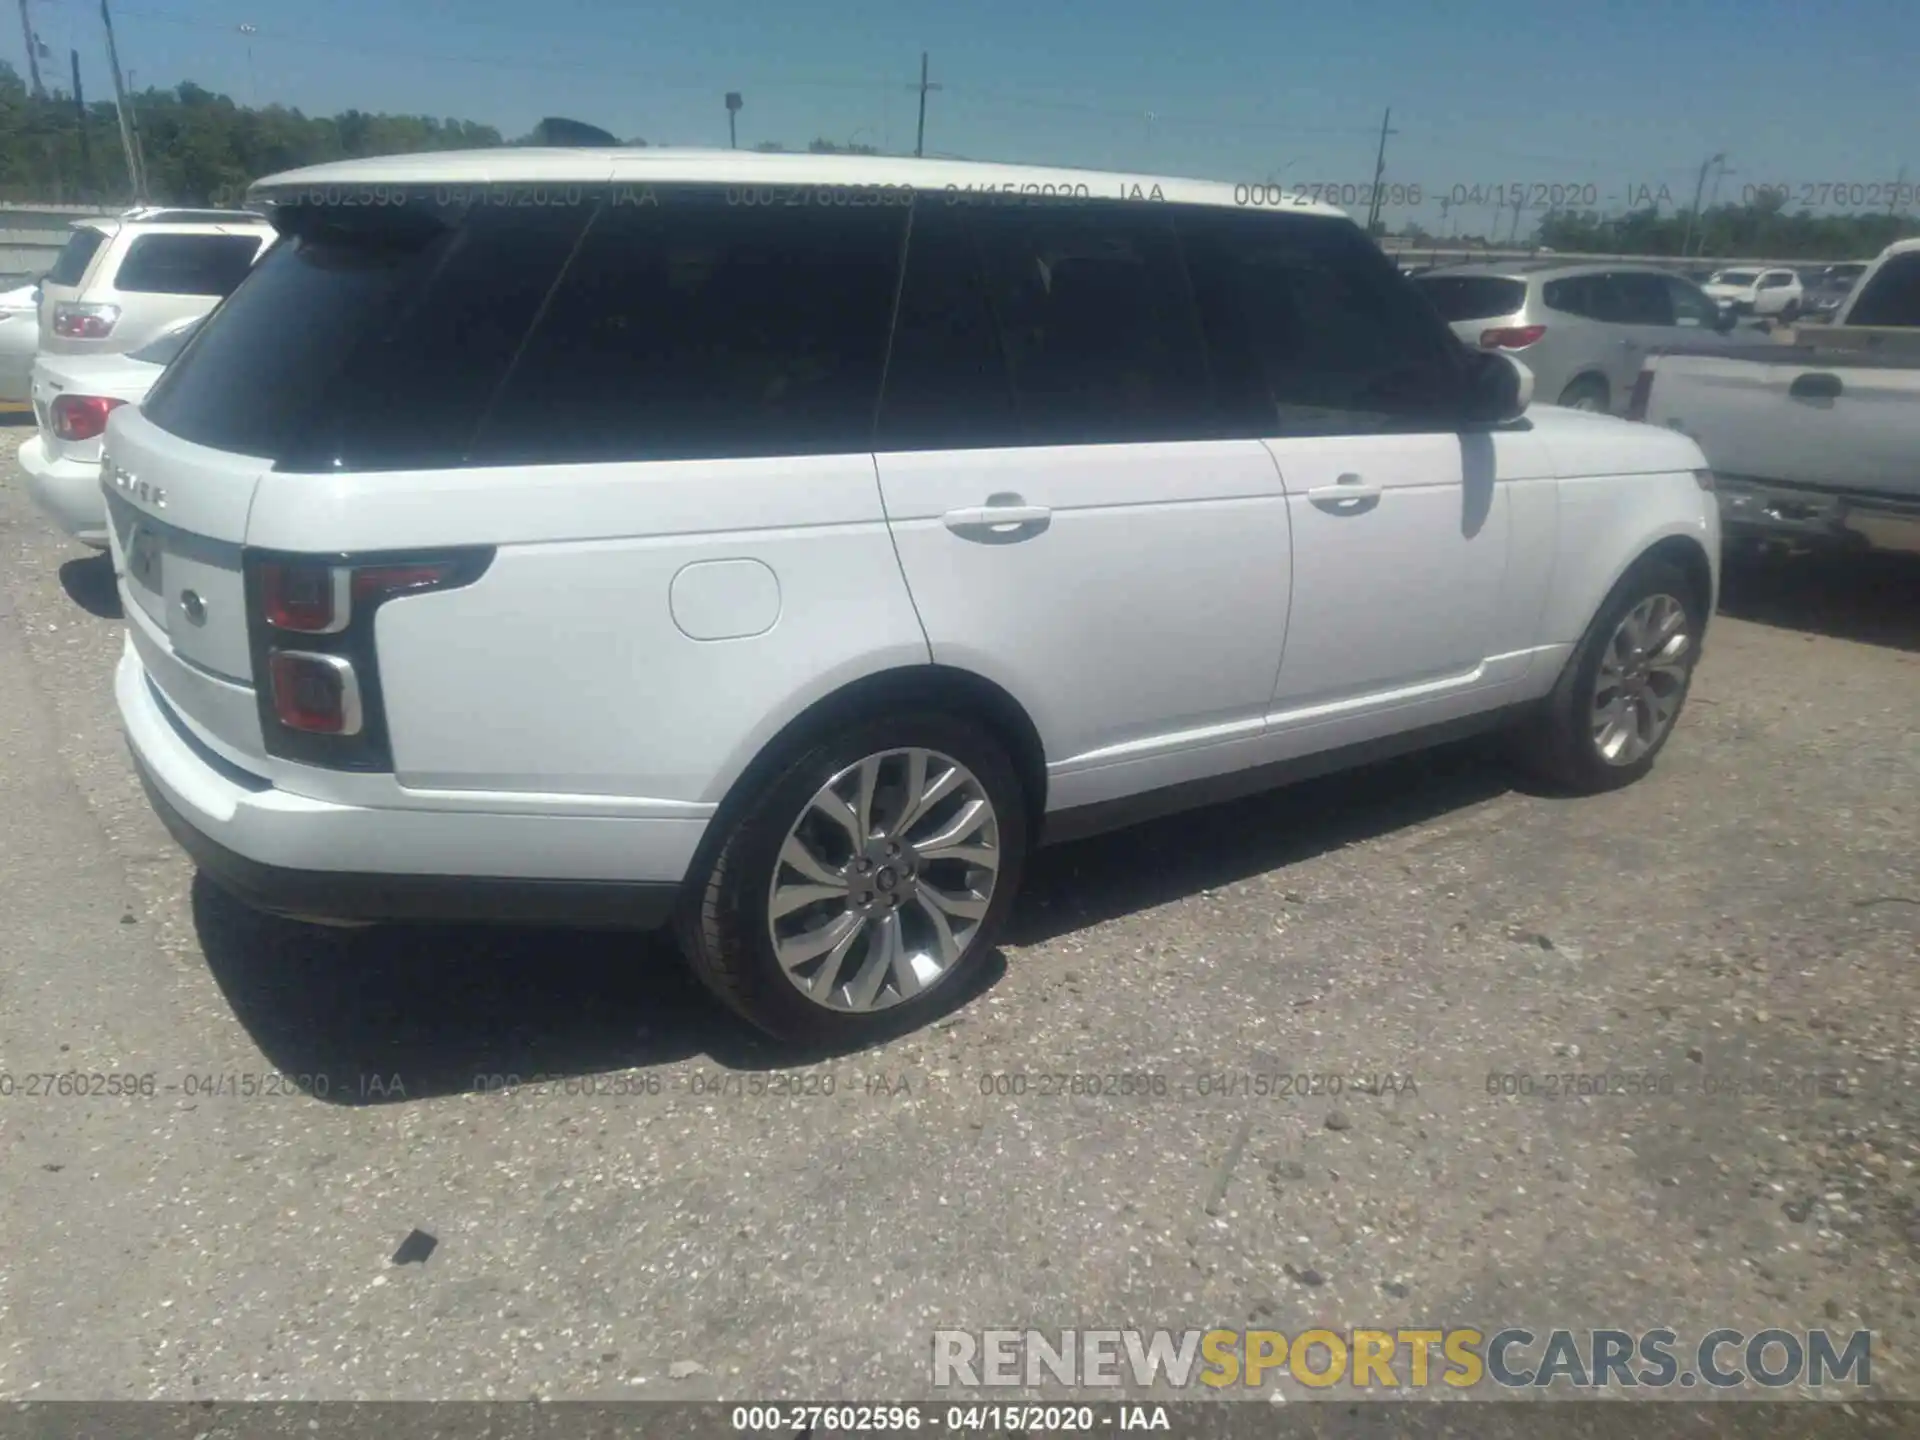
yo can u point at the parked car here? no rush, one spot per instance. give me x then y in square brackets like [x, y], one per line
[1765, 294]
[72, 397]
[768, 570]
[1814, 443]
[1583, 330]
[19, 338]
[1829, 288]
[120, 283]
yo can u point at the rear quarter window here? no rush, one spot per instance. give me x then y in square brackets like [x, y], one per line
[75, 256]
[209, 265]
[1892, 297]
[1472, 297]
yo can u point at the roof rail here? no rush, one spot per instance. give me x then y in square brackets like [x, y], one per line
[162, 215]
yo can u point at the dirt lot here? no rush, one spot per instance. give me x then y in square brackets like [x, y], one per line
[1743, 921]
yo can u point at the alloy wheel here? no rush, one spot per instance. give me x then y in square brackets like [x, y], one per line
[1642, 679]
[883, 880]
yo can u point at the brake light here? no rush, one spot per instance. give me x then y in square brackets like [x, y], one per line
[317, 694]
[81, 417]
[319, 697]
[1642, 395]
[307, 599]
[1511, 337]
[84, 322]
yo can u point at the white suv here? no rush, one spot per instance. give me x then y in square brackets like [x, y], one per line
[782, 546]
[119, 284]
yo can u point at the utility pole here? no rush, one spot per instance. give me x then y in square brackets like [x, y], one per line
[1379, 169]
[122, 109]
[80, 114]
[1686, 235]
[920, 135]
[1893, 200]
[733, 109]
[33, 52]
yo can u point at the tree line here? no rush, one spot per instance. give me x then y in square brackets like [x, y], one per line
[201, 148]
[1762, 229]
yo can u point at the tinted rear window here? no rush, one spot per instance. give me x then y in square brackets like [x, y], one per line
[167, 348]
[1892, 297]
[1472, 297]
[425, 336]
[75, 256]
[186, 264]
[251, 379]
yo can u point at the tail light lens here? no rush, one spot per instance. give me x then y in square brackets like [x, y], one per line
[84, 322]
[81, 417]
[1511, 337]
[311, 622]
[317, 694]
[1704, 479]
[1642, 396]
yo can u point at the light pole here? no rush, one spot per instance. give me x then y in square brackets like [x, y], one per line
[248, 29]
[733, 109]
[1686, 235]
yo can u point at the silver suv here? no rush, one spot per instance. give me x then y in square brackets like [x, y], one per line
[121, 283]
[1582, 329]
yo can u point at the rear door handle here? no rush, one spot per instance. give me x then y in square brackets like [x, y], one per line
[1002, 519]
[1350, 496]
[1816, 387]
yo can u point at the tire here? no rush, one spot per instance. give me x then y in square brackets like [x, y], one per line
[1589, 392]
[1790, 313]
[727, 928]
[1561, 744]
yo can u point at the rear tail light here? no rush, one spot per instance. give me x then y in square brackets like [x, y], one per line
[1704, 479]
[316, 694]
[1511, 337]
[84, 322]
[1642, 396]
[81, 417]
[311, 622]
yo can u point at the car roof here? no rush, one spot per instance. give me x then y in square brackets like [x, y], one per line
[1900, 247]
[1544, 270]
[650, 165]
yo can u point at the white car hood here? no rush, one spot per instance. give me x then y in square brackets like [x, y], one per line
[1583, 443]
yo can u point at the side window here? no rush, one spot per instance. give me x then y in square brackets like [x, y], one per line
[1330, 336]
[1892, 297]
[948, 386]
[1575, 295]
[186, 264]
[1640, 299]
[693, 329]
[1097, 322]
[1692, 310]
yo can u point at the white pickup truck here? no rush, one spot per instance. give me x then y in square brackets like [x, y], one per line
[1815, 442]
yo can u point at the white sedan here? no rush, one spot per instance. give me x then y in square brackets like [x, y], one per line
[72, 397]
[19, 339]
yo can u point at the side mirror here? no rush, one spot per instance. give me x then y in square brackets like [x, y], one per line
[1499, 388]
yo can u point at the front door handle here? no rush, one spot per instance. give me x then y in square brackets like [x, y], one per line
[1004, 518]
[1350, 496]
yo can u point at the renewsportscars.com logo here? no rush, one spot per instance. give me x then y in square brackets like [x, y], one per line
[1458, 1357]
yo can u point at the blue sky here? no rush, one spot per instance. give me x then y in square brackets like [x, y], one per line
[1605, 93]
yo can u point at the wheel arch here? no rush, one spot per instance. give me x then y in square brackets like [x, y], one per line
[945, 688]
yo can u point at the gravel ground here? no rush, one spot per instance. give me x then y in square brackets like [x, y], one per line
[1740, 923]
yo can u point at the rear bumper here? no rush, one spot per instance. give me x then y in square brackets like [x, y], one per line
[1762, 510]
[293, 855]
[67, 492]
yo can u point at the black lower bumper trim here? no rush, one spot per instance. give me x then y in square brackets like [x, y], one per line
[342, 895]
